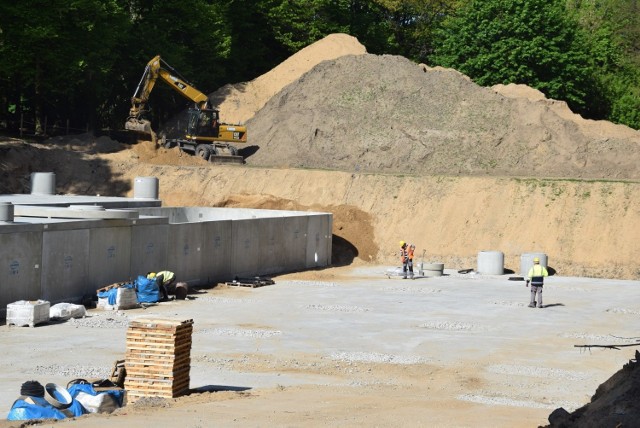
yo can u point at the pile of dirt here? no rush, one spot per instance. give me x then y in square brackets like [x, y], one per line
[239, 102]
[371, 113]
[615, 403]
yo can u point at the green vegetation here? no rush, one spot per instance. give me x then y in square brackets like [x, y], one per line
[79, 61]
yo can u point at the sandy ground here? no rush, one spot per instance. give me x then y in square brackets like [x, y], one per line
[352, 347]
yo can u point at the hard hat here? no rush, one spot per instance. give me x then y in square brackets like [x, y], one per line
[412, 246]
[536, 260]
[402, 243]
[151, 275]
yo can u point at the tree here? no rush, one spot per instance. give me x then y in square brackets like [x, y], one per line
[55, 56]
[613, 28]
[532, 42]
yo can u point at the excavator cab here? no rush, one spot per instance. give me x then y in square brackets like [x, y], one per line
[203, 123]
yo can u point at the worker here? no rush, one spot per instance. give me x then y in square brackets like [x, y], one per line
[536, 278]
[410, 252]
[165, 280]
[404, 258]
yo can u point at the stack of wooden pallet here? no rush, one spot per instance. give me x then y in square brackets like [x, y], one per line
[158, 358]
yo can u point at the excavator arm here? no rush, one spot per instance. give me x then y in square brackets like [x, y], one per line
[154, 70]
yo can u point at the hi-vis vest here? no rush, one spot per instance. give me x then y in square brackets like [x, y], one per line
[537, 274]
[403, 255]
[166, 276]
[410, 253]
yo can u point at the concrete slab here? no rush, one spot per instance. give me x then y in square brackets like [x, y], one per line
[357, 328]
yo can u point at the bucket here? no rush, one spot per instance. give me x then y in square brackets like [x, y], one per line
[182, 289]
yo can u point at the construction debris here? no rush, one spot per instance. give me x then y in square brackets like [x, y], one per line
[257, 281]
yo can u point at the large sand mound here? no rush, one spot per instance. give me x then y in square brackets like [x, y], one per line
[373, 113]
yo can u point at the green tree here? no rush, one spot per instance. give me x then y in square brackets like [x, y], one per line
[613, 28]
[532, 42]
[55, 55]
[413, 23]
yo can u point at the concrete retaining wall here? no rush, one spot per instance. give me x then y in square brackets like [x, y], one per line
[62, 260]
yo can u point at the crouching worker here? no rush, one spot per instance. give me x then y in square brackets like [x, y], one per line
[165, 280]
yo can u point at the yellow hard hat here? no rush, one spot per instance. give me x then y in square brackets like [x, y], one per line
[151, 275]
[402, 243]
[536, 260]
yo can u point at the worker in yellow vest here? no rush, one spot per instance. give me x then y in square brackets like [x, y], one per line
[536, 278]
[164, 279]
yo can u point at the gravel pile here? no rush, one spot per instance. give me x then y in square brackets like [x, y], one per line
[373, 357]
[111, 319]
[257, 334]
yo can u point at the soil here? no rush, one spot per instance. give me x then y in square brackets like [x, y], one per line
[394, 150]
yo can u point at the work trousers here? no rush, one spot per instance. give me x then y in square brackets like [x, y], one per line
[407, 267]
[536, 289]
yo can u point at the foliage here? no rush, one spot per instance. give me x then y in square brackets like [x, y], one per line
[80, 60]
[532, 42]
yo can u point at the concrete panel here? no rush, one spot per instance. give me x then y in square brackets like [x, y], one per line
[295, 234]
[65, 264]
[20, 266]
[319, 237]
[110, 255]
[149, 244]
[273, 244]
[245, 248]
[216, 252]
[184, 253]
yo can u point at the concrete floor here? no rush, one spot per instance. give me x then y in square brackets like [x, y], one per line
[364, 316]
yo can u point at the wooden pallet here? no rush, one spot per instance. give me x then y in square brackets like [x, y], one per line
[158, 358]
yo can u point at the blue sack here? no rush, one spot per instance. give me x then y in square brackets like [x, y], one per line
[111, 399]
[24, 411]
[147, 290]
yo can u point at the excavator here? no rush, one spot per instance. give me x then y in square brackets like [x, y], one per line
[204, 135]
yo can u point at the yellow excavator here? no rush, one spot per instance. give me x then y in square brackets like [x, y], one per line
[203, 135]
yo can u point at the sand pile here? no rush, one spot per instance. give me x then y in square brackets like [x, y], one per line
[239, 102]
[371, 113]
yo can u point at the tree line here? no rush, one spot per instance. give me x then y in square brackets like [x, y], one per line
[79, 61]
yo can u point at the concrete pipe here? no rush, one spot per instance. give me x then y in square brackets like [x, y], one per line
[43, 183]
[6, 212]
[432, 269]
[526, 261]
[491, 262]
[145, 188]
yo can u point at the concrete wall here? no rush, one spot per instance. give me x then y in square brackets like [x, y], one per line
[65, 259]
[20, 263]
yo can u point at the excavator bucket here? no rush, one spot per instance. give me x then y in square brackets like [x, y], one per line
[138, 125]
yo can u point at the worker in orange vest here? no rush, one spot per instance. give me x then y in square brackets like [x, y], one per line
[404, 258]
[412, 249]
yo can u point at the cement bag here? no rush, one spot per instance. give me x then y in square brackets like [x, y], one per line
[65, 311]
[122, 297]
[148, 291]
[97, 402]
